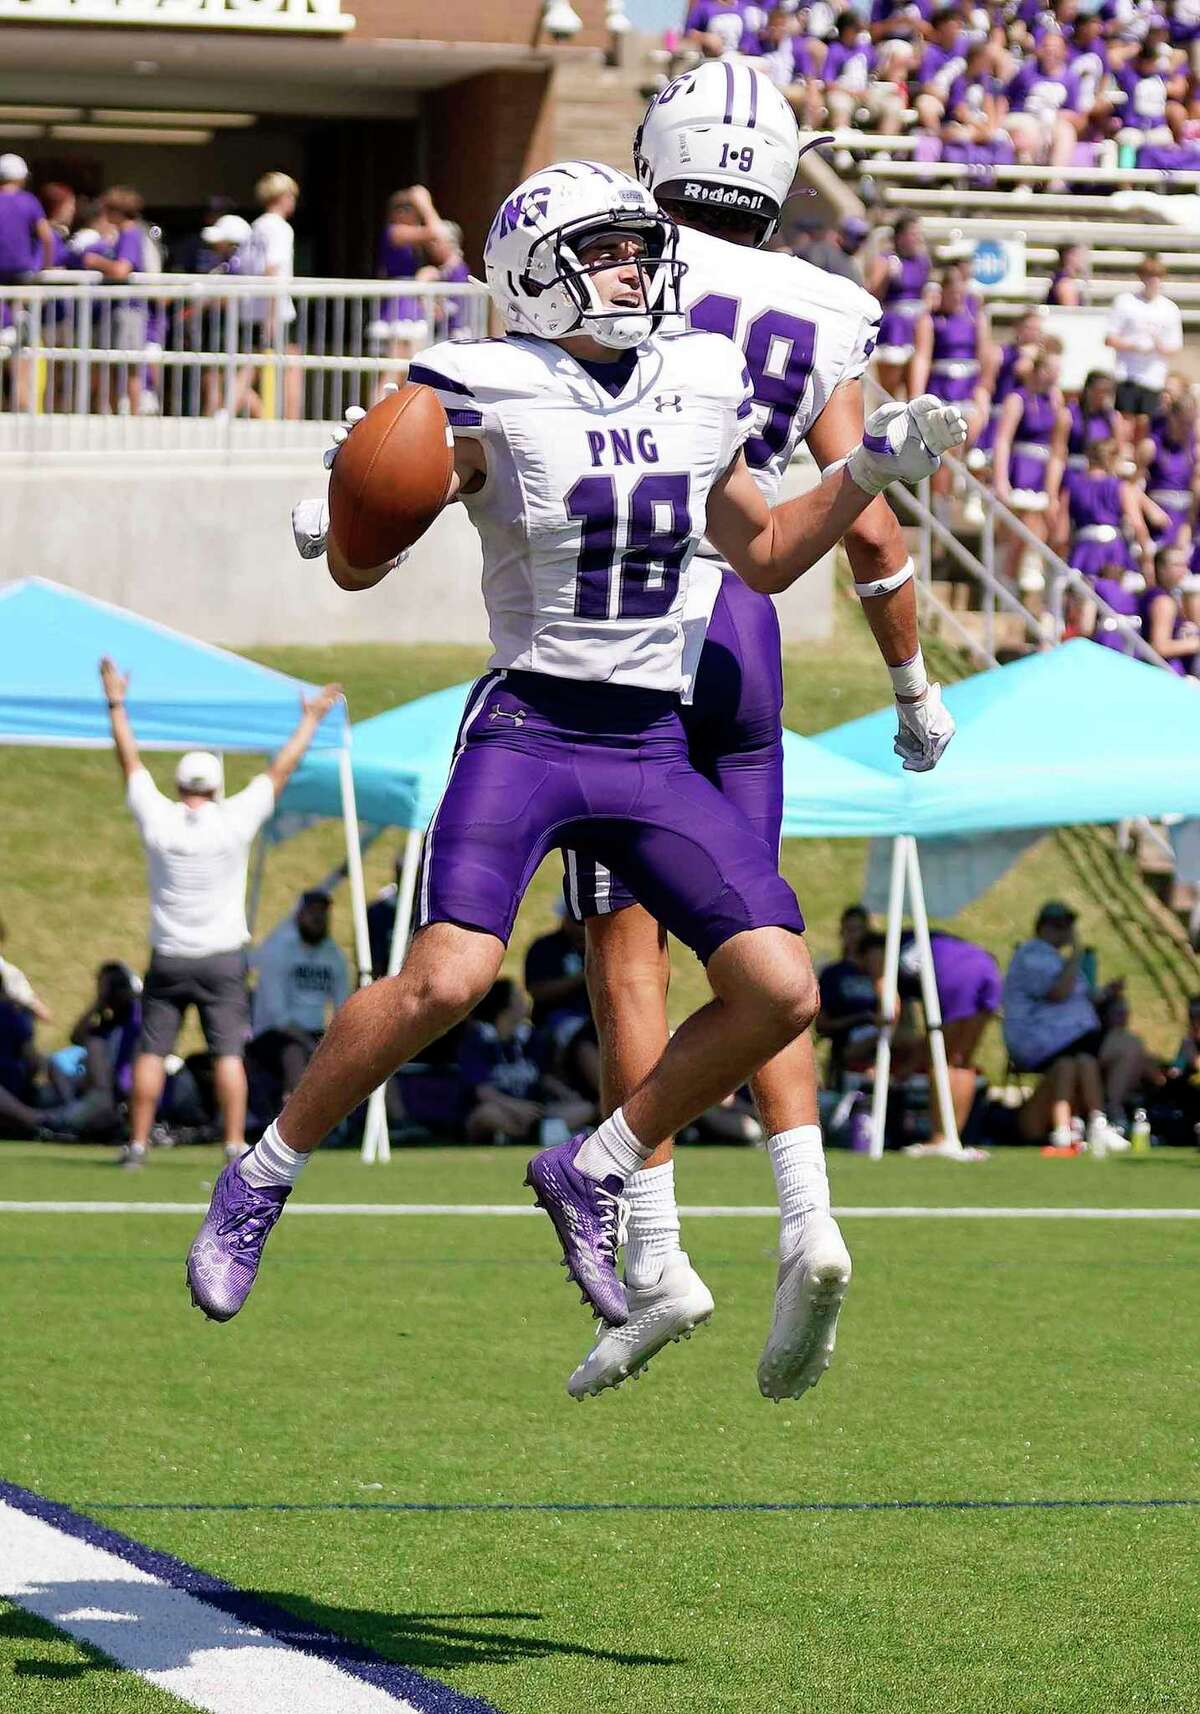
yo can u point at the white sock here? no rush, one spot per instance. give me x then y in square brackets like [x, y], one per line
[270, 1162]
[652, 1236]
[612, 1149]
[798, 1161]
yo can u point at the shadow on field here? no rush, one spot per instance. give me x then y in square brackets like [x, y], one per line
[17, 1626]
[431, 1641]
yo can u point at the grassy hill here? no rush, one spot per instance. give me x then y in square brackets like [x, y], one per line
[72, 888]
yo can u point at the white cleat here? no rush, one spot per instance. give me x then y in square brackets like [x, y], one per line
[808, 1299]
[671, 1309]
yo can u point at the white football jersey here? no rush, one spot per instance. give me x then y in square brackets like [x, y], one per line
[802, 332]
[596, 493]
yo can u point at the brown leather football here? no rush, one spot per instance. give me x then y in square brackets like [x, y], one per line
[391, 477]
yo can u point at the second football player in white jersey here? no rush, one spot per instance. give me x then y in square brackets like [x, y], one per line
[719, 147]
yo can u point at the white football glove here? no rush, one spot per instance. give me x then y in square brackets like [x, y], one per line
[354, 414]
[905, 443]
[310, 528]
[926, 727]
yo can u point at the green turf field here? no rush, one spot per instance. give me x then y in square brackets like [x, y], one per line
[385, 1362]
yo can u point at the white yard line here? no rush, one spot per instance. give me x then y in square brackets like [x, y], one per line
[720, 1211]
[180, 1644]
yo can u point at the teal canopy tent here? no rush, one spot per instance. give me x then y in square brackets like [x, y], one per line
[182, 693]
[1075, 735]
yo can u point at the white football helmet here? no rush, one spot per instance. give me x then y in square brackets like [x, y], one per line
[531, 257]
[722, 138]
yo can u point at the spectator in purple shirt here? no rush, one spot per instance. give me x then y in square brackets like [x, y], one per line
[26, 242]
[719, 27]
[1045, 107]
[941, 62]
[975, 109]
[121, 252]
[856, 78]
[794, 62]
[413, 245]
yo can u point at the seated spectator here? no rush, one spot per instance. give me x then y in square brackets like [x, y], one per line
[1051, 1026]
[717, 27]
[793, 61]
[16, 986]
[508, 1098]
[1144, 329]
[1180, 1098]
[1067, 286]
[302, 979]
[975, 110]
[970, 988]
[850, 1017]
[858, 79]
[562, 1011]
[1046, 113]
[1165, 625]
[19, 1065]
[93, 1077]
[942, 61]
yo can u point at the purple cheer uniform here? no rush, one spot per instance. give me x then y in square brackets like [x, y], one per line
[1096, 518]
[1183, 665]
[400, 316]
[954, 368]
[1085, 430]
[1169, 477]
[1031, 441]
[903, 306]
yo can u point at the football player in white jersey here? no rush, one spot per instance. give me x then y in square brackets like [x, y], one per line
[591, 492]
[719, 148]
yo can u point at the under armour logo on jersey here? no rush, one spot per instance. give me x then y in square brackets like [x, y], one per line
[668, 401]
[517, 715]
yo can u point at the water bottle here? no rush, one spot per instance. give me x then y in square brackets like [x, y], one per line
[1139, 1137]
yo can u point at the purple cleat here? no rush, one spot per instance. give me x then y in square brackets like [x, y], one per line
[587, 1214]
[223, 1260]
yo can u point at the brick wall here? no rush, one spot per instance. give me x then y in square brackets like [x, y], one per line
[516, 21]
[483, 136]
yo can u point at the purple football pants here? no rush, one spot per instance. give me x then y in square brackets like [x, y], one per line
[734, 727]
[602, 769]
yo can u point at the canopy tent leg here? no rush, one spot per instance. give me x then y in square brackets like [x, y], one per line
[257, 872]
[354, 869]
[375, 1145]
[891, 983]
[929, 998]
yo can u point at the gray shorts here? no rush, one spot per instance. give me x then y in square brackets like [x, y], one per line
[215, 985]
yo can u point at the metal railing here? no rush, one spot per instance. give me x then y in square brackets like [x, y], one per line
[188, 364]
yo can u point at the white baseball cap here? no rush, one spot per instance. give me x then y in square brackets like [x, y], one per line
[13, 170]
[229, 229]
[200, 771]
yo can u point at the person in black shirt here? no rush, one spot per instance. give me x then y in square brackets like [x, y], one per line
[562, 1011]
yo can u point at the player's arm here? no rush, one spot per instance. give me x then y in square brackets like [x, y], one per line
[470, 469]
[771, 547]
[116, 686]
[875, 545]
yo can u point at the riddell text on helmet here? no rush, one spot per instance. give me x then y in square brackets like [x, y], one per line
[731, 195]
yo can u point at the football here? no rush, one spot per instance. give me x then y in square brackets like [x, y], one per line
[391, 477]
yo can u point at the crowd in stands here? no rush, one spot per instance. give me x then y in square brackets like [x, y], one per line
[110, 239]
[983, 82]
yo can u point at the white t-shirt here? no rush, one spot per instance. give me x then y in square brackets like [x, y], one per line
[16, 986]
[270, 249]
[298, 983]
[1150, 320]
[196, 863]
